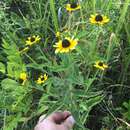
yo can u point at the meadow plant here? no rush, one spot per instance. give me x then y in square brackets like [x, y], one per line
[65, 55]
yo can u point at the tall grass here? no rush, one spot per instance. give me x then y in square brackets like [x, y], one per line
[74, 83]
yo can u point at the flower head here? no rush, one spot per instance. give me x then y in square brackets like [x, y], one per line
[99, 19]
[65, 45]
[72, 7]
[100, 65]
[42, 79]
[32, 40]
[23, 77]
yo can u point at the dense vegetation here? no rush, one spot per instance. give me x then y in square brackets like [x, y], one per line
[65, 55]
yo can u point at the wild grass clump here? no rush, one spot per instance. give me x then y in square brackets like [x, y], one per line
[65, 55]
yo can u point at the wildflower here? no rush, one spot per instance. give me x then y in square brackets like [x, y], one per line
[100, 65]
[23, 78]
[72, 7]
[42, 79]
[65, 45]
[99, 19]
[32, 40]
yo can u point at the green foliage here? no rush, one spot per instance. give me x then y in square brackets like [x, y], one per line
[126, 112]
[2, 67]
[54, 15]
[12, 122]
[14, 101]
[14, 61]
[73, 82]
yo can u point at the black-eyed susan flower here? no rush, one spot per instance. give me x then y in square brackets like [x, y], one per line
[42, 79]
[23, 78]
[100, 65]
[32, 40]
[65, 45]
[73, 7]
[99, 19]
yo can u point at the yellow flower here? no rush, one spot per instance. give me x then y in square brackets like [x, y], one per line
[100, 65]
[99, 19]
[23, 77]
[32, 40]
[72, 7]
[42, 79]
[65, 45]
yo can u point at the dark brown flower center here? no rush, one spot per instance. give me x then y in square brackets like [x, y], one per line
[32, 39]
[42, 78]
[98, 18]
[65, 43]
[21, 81]
[73, 5]
[100, 64]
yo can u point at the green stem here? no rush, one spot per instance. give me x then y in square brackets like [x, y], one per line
[122, 17]
[94, 6]
[54, 15]
[30, 58]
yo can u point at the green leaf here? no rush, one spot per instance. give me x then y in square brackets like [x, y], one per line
[9, 84]
[2, 68]
[12, 122]
[83, 33]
